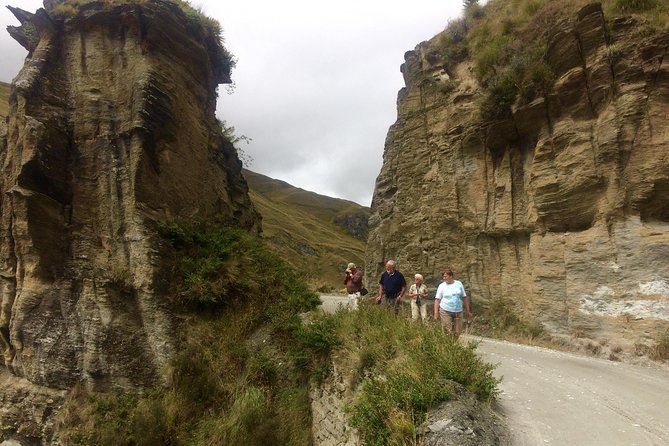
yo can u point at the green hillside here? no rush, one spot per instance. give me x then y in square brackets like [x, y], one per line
[328, 209]
[4, 97]
[302, 226]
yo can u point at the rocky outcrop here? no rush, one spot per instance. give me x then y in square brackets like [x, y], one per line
[26, 411]
[354, 223]
[111, 130]
[564, 207]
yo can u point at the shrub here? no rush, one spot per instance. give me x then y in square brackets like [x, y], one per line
[491, 57]
[532, 6]
[223, 266]
[614, 52]
[497, 100]
[448, 86]
[455, 32]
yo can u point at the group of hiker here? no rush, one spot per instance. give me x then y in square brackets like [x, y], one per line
[450, 302]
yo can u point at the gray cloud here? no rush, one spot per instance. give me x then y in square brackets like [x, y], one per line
[316, 83]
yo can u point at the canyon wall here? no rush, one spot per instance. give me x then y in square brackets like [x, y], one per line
[562, 208]
[111, 131]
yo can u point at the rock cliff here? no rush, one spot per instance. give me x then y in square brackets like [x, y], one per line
[564, 206]
[111, 130]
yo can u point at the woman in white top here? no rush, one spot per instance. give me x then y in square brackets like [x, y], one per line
[418, 294]
[448, 303]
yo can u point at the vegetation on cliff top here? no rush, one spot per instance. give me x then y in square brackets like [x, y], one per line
[205, 28]
[246, 356]
[507, 39]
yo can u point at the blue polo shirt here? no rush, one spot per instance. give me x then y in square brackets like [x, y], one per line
[392, 284]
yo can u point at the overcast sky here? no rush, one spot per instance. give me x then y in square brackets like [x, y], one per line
[315, 82]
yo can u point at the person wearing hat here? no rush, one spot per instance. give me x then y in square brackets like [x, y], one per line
[353, 282]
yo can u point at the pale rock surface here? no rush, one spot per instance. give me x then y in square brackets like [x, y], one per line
[563, 209]
[111, 130]
[328, 399]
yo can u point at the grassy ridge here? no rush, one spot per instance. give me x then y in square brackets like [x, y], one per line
[300, 226]
[4, 98]
[398, 369]
[320, 206]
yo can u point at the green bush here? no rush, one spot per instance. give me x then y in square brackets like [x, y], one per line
[448, 86]
[497, 100]
[222, 266]
[491, 57]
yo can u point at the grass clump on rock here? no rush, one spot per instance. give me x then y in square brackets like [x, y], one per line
[398, 370]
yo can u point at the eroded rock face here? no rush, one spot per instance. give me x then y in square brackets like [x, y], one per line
[564, 208]
[111, 129]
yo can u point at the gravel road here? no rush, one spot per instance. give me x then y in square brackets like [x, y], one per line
[556, 398]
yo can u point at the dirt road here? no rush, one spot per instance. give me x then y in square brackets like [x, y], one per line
[332, 301]
[557, 398]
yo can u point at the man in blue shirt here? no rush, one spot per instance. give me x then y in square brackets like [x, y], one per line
[391, 287]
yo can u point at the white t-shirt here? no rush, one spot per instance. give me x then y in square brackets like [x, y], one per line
[450, 296]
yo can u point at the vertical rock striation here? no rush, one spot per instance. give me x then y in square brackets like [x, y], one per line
[111, 129]
[564, 207]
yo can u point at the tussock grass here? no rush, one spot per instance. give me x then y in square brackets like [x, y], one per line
[501, 320]
[659, 351]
